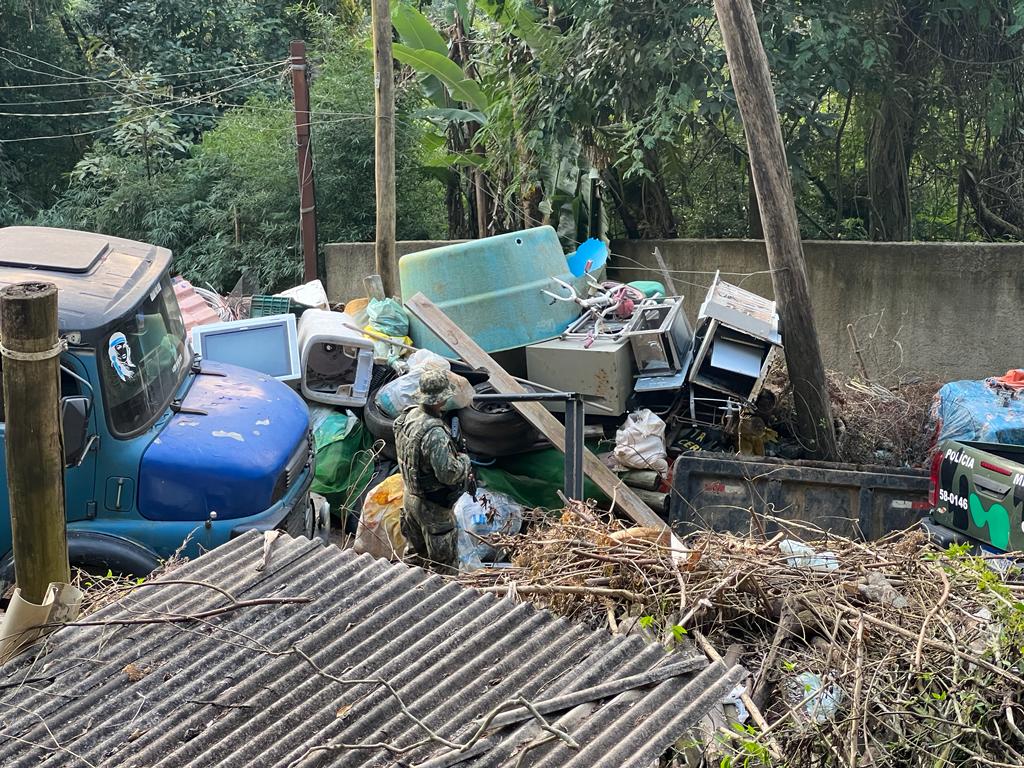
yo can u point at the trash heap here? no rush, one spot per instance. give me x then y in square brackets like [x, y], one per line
[881, 654]
[875, 425]
[655, 384]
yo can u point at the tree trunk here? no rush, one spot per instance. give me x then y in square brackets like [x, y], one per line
[643, 203]
[889, 170]
[894, 130]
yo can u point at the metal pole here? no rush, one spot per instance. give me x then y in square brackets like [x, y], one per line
[575, 418]
[307, 193]
[594, 224]
[35, 450]
[574, 422]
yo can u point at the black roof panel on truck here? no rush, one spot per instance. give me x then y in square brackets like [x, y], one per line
[99, 278]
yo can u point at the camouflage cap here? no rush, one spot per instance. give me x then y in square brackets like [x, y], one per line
[435, 387]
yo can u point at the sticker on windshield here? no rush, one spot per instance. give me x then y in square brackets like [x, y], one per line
[121, 357]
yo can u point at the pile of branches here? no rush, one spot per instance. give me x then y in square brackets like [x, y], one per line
[879, 425]
[875, 424]
[882, 654]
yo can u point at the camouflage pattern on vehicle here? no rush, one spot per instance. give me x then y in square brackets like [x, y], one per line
[981, 495]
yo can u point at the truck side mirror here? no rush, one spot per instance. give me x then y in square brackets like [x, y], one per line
[74, 420]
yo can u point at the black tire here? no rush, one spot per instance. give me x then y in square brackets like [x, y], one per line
[496, 428]
[380, 425]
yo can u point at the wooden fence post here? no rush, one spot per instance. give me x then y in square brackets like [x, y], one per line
[34, 443]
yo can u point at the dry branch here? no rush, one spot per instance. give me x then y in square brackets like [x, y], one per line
[900, 656]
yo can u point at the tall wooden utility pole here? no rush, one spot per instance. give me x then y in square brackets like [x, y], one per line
[752, 83]
[307, 192]
[35, 453]
[384, 156]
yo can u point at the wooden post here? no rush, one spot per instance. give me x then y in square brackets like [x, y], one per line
[34, 445]
[307, 193]
[751, 81]
[384, 156]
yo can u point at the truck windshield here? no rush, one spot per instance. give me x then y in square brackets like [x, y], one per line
[144, 361]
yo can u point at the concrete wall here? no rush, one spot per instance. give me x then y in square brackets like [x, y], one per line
[952, 310]
[348, 263]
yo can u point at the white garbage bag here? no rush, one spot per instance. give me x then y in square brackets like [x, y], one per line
[395, 396]
[640, 442]
[310, 294]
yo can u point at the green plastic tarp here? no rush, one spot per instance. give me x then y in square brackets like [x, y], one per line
[533, 479]
[344, 459]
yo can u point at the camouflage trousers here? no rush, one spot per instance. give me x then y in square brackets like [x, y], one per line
[432, 534]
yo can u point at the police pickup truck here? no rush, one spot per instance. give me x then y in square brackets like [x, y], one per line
[977, 494]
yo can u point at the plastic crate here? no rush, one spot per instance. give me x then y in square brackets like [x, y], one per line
[264, 306]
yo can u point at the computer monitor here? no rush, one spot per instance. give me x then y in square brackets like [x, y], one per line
[265, 344]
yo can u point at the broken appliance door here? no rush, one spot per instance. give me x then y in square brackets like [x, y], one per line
[336, 362]
[731, 362]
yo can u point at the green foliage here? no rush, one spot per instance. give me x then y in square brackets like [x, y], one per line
[127, 110]
[416, 29]
[241, 180]
[444, 69]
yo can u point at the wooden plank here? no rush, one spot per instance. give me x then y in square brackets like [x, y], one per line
[621, 495]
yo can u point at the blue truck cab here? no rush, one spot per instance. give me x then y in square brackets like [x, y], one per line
[164, 452]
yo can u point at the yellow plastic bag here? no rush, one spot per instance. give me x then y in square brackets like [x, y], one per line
[384, 351]
[380, 533]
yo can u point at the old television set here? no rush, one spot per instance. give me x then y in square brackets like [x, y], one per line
[265, 344]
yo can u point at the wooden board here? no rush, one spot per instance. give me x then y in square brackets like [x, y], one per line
[621, 495]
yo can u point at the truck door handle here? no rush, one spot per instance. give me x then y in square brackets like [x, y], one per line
[991, 486]
[120, 488]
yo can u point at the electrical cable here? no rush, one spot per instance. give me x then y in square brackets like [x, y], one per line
[186, 103]
[83, 78]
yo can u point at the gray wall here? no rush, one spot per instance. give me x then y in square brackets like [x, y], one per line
[348, 263]
[953, 310]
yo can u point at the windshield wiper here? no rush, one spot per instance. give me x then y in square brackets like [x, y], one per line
[177, 406]
[197, 367]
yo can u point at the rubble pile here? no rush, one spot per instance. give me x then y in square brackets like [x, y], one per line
[883, 654]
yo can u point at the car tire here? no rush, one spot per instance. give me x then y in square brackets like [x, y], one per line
[495, 428]
[380, 426]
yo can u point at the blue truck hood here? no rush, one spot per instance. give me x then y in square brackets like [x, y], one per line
[228, 460]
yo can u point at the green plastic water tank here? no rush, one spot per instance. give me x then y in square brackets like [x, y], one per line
[491, 288]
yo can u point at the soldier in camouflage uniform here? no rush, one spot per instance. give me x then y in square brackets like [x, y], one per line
[435, 474]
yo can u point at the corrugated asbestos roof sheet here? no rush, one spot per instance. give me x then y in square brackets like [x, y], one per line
[235, 689]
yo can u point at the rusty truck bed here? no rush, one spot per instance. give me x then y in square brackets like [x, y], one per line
[715, 490]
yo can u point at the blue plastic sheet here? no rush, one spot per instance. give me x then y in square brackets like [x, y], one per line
[974, 411]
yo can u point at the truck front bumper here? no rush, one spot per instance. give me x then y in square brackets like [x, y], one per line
[299, 513]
